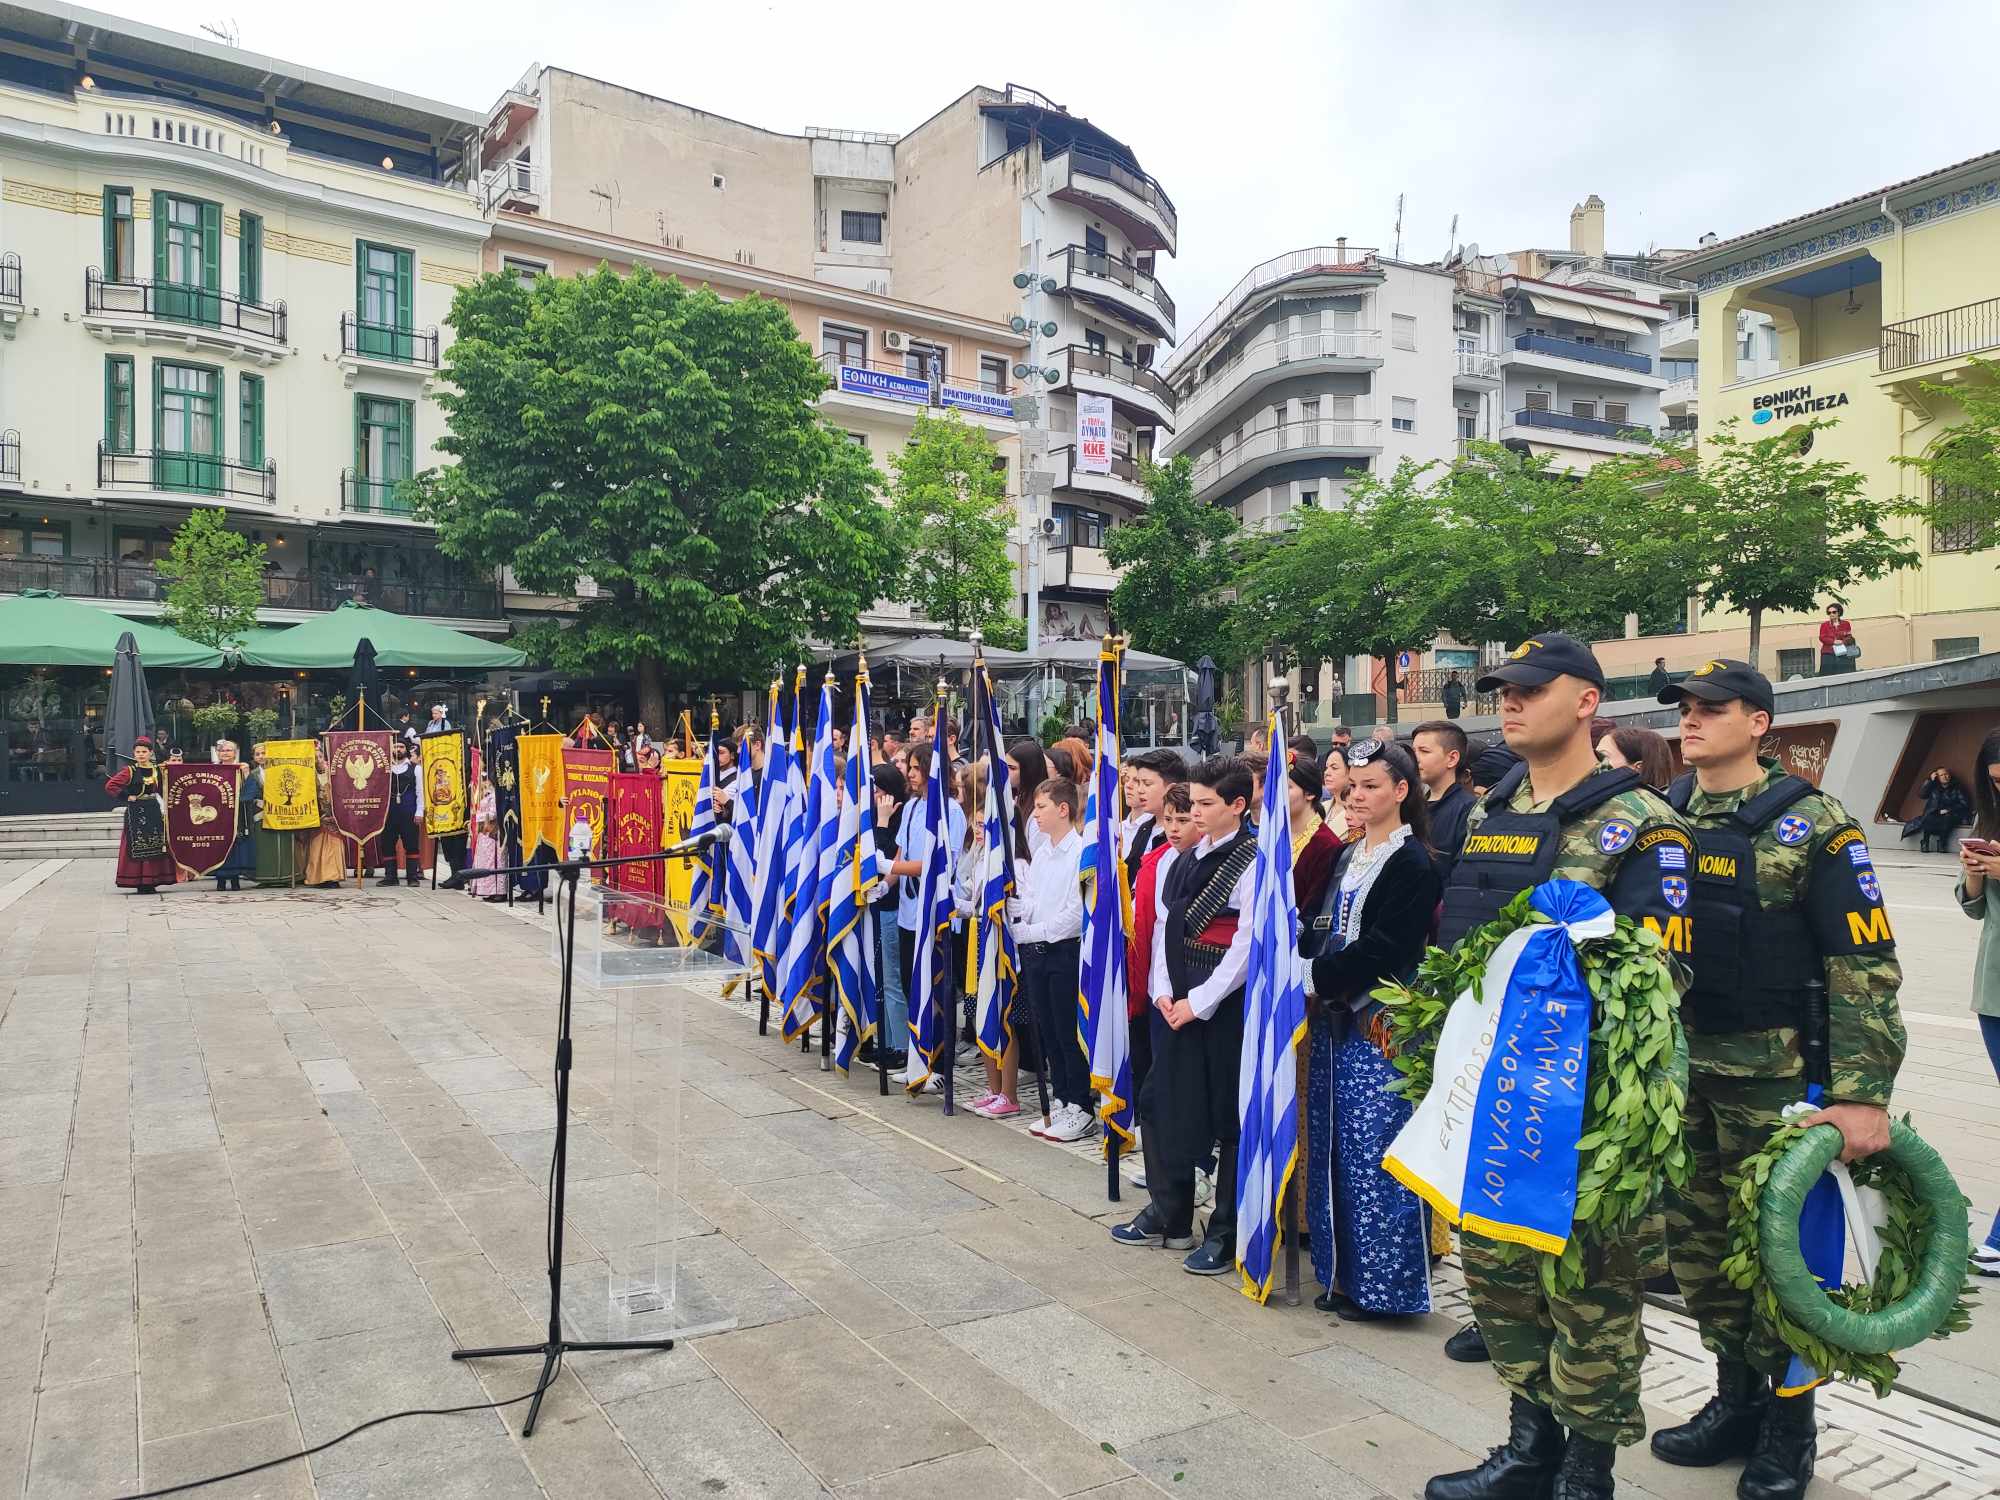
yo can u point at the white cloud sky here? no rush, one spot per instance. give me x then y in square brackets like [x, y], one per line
[1284, 124]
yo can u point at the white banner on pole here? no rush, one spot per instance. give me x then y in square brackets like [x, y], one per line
[1093, 434]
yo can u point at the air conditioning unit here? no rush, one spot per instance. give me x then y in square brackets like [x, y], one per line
[896, 343]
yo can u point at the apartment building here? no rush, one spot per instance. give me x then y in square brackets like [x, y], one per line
[1002, 206]
[953, 362]
[223, 285]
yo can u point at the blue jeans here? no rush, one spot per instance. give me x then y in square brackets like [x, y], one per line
[1989, 1028]
[895, 1004]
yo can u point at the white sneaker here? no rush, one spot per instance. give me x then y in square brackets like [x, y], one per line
[1204, 1187]
[1986, 1260]
[1071, 1125]
[1043, 1127]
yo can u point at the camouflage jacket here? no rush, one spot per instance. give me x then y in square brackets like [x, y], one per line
[1633, 847]
[1815, 859]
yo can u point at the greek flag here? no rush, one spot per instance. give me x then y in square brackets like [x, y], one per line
[739, 871]
[819, 826]
[1496, 1152]
[999, 962]
[850, 945]
[706, 890]
[1274, 1022]
[933, 994]
[1107, 918]
[772, 867]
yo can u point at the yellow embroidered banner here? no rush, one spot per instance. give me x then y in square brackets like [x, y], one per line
[541, 793]
[291, 785]
[444, 783]
[683, 782]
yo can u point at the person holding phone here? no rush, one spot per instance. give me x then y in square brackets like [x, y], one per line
[1979, 899]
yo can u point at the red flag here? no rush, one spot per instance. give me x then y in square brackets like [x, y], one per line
[637, 812]
[201, 803]
[359, 761]
[587, 783]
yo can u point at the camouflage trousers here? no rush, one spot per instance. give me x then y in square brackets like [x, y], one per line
[1727, 1120]
[1579, 1356]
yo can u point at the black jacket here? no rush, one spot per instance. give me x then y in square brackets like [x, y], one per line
[1448, 816]
[1396, 921]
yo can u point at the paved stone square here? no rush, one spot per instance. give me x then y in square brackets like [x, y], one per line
[265, 1159]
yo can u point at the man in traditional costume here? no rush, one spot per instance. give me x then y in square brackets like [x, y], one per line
[403, 831]
[143, 862]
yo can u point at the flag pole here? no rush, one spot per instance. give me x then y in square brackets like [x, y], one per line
[1112, 1141]
[867, 789]
[950, 1018]
[1288, 1203]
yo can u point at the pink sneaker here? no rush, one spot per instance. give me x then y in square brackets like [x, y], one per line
[979, 1104]
[1001, 1108]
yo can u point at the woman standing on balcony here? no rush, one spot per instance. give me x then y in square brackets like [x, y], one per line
[1837, 651]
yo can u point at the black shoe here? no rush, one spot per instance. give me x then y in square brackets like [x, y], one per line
[1467, 1346]
[1726, 1427]
[899, 1059]
[1146, 1229]
[389, 879]
[1211, 1258]
[1521, 1468]
[1585, 1471]
[411, 877]
[865, 1054]
[147, 890]
[1781, 1466]
[1347, 1309]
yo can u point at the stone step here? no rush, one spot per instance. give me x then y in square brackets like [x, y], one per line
[60, 849]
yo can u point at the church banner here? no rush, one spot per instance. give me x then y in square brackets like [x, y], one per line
[359, 763]
[682, 783]
[291, 785]
[634, 828]
[503, 768]
[541, 793]
[201, 804]
[587, 789]
[444, 782]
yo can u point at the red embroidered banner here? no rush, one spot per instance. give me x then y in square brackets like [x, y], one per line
[358, 760]
[201, 806]
[587, 782]
[637, 810]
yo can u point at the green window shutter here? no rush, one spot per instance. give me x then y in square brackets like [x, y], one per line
[211, 247]
[404, 412]
[360, 436]
[110, 216]
[120, 421]
[405, 291]
[250, 258]
[159, 235]
[251, 417]
[159, 401]
[360, 281]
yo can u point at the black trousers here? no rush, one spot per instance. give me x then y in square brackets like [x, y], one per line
[401, 830]
[1189, 1104]
[1049, 978]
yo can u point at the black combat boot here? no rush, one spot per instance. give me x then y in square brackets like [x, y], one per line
[1585, 1473]
[1519, 1469]
[1467, 1346]
[1782, 1465]
[1725, 1428]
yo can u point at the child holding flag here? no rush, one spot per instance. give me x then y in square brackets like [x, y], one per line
[1048, 927]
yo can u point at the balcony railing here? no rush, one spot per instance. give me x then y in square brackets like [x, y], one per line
[1562, 421]
[1957, 331]
[1084, 360]
[10, 457]
[10, 279]
[1220, 382]
[172, 471]
[101, 578]
[363, 496]
[1079, 261]
[415, 347]
[512, 179]
[1592, 354]
[1087, 163]
[1064, 459]
[1337, 259]
[190, 306]
[1289, 437]
[1475, 365]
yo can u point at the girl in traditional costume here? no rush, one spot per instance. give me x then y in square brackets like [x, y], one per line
[486, 852]
[143, 862]
[326, 853]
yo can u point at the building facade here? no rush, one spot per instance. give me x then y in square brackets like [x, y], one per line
[1002, 206]
[1865, 302]
[226, 295]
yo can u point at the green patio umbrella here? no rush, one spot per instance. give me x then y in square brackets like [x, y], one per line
[328, 642]
[41, 628]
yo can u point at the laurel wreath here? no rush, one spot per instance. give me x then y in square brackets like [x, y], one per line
[1920, 1289]
[1632, 1143]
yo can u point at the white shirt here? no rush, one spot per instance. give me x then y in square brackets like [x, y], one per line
[912, 844]
[1052, 905]
[1205, 997]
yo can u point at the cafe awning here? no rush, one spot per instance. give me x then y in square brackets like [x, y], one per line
[41, 628]
[327, 642]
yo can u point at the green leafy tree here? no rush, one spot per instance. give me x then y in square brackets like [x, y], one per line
[952, 519]
[214, 578]
[1180, 558]
[1962, 472]
[1387, 573]
[664, 444]
[1775, 529]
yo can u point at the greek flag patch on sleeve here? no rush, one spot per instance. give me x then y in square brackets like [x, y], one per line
[1672, 857]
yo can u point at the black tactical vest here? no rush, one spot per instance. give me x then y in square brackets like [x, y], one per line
[1751, 962]
[1512, 851]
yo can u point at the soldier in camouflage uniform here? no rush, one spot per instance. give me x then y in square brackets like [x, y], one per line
[1571, 1362]
[1786, 899]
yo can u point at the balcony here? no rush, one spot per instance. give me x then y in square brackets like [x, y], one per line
[1321, 438]
[1079, 568]
[1632, 434]
[1680, 338]
[511, 187]
[1581, 353]
[191, 479]
[169, 313]
[10, 459]
[869, 383]
[383, 348]
[10, 293]
[1680, 395]
[1476, 368]
[1144, 395]
[1118, 286]
[1116, 189]
[101, 578]
[384, 499]
[1338, 260]
[1122, 483]
[1937, 346]
[1267, 361]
